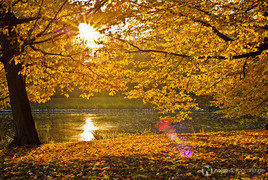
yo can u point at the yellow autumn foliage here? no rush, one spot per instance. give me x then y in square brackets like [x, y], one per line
[171, 51]
[178, 50]
[50, 52]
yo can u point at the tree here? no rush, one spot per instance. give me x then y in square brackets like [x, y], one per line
[40, 50]
[200, 47]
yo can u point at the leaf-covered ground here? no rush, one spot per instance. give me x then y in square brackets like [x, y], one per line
[231, 155]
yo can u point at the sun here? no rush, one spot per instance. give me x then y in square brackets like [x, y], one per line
[89, 34]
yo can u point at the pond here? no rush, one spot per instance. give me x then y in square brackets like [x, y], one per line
[73, 125]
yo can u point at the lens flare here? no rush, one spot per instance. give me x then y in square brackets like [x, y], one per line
[164, 126]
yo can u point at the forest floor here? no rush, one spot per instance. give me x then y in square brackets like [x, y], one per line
[220, 155]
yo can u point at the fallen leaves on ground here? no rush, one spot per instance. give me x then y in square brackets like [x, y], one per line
[232, 155]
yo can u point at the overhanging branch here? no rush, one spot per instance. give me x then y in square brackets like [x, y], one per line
[96, 7]
[155, 51]
[1, 99]
[246, 55]
[46, 53]
[16, 2]
[39, 13]
[11, 20]
[261, 48]
[215, 30]
[50, 22]
[49, 39]
[50, 53]
[159, 51]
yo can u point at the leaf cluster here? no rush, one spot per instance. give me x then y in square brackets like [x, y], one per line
[182, 49]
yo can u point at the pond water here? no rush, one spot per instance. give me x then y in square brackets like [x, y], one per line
[69, 126]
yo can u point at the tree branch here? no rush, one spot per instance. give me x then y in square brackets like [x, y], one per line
[261, 104]
[50, 53]
[26, 20]
[155, 51]
[252, 7]
[261, 48]
[16, 2]
[48, 39]
[46, 53]
[159, 51]
[38, 15]
[54, 18]
[1, 99]
[215, 30]
[10, 20]
[96, 7]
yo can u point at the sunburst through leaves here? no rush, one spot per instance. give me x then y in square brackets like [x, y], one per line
[89, 34]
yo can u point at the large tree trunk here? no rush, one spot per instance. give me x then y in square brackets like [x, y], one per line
[25, 131]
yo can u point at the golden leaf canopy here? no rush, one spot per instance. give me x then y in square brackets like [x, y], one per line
[170, 51]
[180, 50]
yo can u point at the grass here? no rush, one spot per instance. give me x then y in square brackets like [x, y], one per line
[5, 131]
[112, 134]
[92, 103]
[232, 155]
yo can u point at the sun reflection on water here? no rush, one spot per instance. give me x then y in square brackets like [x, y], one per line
[88, 130]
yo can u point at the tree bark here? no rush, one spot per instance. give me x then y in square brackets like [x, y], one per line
[25, 131]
